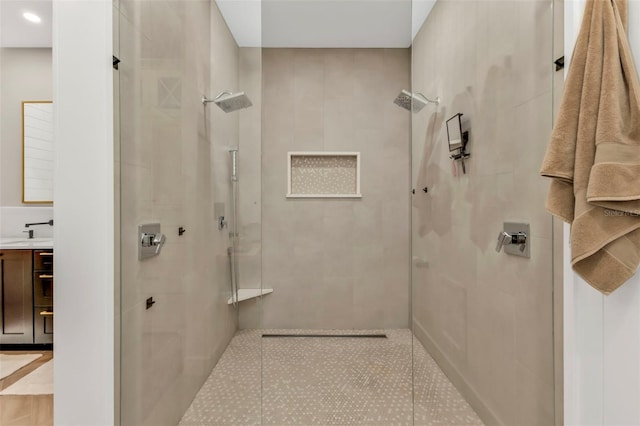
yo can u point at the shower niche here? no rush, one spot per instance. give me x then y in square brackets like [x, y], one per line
[323, 175]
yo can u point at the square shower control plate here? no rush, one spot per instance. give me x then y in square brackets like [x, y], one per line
[146, 236]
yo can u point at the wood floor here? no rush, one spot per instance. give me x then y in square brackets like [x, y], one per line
[26, 410]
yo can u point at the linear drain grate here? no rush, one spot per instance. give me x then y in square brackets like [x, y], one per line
[367, 336]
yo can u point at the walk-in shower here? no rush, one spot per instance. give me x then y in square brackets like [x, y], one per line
[413, 101]
[229, 101]
[339, 266]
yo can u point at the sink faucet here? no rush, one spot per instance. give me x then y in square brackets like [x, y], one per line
[30, 231]
[50, 223]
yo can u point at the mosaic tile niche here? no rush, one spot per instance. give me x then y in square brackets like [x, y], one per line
[313, 174]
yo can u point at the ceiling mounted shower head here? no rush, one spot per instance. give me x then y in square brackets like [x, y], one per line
[413, 101]
[229, 102]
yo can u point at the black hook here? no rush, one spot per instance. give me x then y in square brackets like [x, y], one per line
[150, 302]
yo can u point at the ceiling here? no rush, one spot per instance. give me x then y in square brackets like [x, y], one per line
[15, 31]
[265, 23]
[325, 23]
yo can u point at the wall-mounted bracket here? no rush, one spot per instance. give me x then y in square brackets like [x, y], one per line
[462, 155]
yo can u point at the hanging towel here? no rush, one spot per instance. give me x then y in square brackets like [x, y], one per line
[594, 152]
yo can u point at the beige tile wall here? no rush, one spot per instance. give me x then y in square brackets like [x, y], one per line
[173, 167]
[335, 263]
[485, 316]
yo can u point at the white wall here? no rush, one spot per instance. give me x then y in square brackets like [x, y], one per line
[13, 219]
[602, 333]
[84, 213]
[25, 75]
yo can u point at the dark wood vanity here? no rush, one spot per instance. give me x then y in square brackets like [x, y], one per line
[42, 296]
[26, 297]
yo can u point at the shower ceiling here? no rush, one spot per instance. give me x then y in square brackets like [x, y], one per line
[287, 23]
[325, 23]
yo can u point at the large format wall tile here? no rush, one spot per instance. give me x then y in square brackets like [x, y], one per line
[335, 263]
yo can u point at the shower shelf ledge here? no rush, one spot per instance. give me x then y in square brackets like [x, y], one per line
[250, 293]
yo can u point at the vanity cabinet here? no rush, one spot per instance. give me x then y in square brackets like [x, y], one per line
[16, 296]
[26, 297]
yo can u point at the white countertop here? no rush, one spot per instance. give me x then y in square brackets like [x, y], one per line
[17, 243]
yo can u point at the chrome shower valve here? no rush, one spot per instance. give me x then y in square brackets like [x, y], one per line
[515, 239]
[504, 238]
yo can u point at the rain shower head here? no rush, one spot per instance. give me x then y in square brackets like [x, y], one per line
[413, 101]
[230, 102]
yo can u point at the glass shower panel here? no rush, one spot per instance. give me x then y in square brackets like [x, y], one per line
[335, 335]
[248, 247]
[231, 393]
[175, 320]
[117, 243]
[485, 318]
